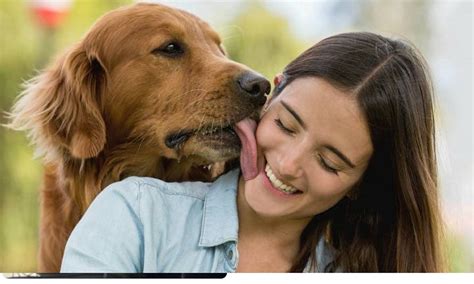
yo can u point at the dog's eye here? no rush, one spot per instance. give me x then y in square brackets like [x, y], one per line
[170, 49]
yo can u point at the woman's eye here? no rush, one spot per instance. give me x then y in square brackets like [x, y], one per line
[325, 165]
[171, 49]
[283, 127]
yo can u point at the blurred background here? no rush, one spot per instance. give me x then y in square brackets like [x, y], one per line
[264, 35]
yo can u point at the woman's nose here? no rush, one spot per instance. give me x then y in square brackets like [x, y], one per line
[290, 165]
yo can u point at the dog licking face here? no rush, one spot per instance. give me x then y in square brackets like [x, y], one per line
[148, 92]
[171, 87]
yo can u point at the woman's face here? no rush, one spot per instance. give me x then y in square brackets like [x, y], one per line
[313, 146]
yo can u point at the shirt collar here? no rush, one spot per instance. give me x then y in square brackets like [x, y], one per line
[220, 221]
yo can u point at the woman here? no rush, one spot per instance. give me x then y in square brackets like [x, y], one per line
[339, 175]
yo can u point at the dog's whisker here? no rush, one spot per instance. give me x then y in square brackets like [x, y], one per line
[201, 123]
[140, 145]
[189, 92]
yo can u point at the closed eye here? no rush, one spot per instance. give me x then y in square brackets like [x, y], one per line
[325, 165]
[283, 127]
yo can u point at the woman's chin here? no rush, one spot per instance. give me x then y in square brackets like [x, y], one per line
[265, 200]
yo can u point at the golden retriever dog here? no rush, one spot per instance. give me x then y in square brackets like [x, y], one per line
[148, 91]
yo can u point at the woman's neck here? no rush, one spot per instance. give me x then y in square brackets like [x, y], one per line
[278, 233]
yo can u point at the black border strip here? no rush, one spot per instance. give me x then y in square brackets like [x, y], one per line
[122, 275]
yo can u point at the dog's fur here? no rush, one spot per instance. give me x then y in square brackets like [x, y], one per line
[104, 109]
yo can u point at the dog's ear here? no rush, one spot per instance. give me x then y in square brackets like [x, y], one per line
[61, 107]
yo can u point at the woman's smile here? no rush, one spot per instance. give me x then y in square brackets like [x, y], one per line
[278, 184]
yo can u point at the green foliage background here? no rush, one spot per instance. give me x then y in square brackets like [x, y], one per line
[23, 50]
[256, 37]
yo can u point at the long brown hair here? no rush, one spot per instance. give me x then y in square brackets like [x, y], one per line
[392, 220]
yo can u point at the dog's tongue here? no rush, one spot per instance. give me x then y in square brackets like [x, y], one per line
[248, 155]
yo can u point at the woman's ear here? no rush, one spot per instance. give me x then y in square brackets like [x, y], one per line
[278, 79]
[61, 107]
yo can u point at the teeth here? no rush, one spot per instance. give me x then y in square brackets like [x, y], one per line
[210, 131]
[278, 183]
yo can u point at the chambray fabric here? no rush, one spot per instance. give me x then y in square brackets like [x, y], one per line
[145, 225]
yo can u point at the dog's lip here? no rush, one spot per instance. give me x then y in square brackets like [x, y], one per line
[176, 139]
[209, 131]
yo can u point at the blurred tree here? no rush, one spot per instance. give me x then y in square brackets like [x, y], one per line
[20, 55]
[18, 217]
[458, 253]
[405, 19]
[261, 40]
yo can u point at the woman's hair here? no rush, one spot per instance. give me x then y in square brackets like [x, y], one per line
[392, 221]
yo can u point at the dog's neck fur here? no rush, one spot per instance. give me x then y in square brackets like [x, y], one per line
[82, 180]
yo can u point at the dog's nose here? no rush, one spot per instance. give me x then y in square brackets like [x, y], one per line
[254, 85]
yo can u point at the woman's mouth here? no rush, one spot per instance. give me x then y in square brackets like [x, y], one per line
[278, 185]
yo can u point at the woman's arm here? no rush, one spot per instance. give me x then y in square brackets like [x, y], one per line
[109, 237]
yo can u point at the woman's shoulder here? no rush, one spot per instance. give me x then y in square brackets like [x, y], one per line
[193, 189]
[138, 187]
[146, 194]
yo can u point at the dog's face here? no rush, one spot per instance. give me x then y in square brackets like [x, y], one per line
[171, 85]
[148, 76]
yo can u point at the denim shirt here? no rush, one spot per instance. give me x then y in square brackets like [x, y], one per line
[146, 225]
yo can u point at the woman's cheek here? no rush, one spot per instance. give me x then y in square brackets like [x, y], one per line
[326, 186]
[264, 133]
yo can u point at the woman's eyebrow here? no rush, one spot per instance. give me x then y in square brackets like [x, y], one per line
[340, 155]
[295, 115]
